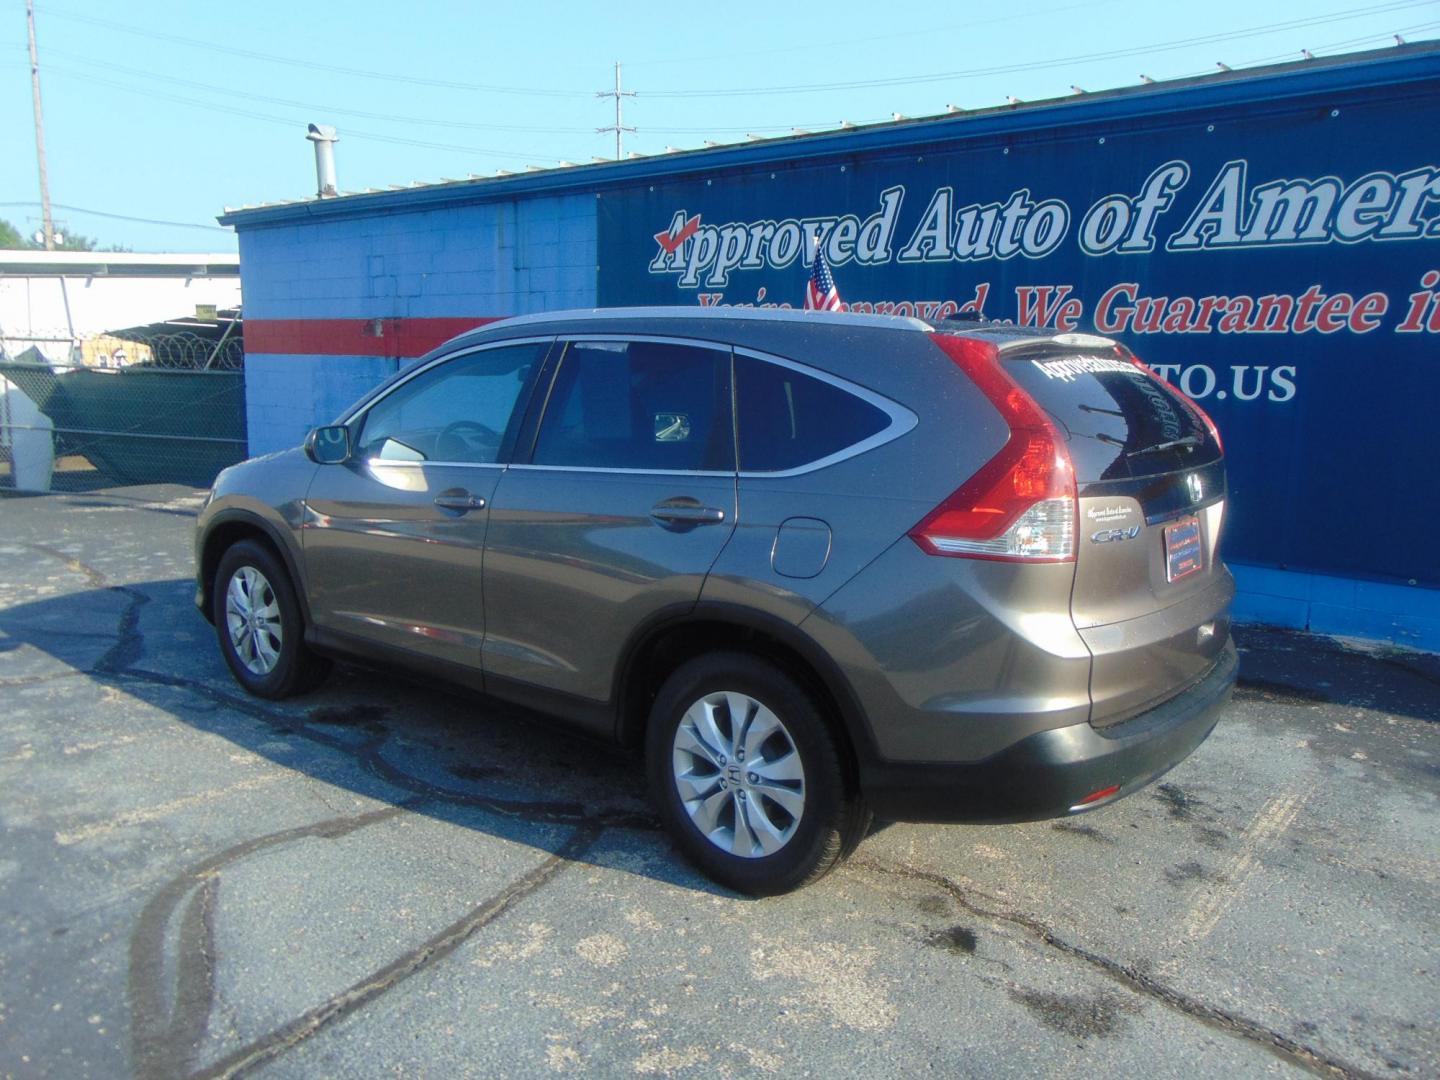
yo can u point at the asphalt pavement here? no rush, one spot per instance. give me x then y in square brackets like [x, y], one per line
[382, 879]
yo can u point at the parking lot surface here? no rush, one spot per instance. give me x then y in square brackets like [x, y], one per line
[384, 879]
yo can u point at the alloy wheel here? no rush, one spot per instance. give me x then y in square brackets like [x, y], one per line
[738, 774]
[252, 618]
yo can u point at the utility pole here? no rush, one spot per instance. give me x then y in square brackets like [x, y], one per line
[619, 126]
[47, 223]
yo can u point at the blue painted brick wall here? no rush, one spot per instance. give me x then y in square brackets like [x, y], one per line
[294, 393]
[1345, 607]
[505, 258]
[488, 259]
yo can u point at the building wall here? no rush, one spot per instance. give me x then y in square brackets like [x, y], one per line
[47, 311]
[1407, 615]
[332, 307]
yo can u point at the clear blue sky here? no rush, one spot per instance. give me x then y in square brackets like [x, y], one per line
[143, 119]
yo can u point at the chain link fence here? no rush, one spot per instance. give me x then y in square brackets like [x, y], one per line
[141, 406]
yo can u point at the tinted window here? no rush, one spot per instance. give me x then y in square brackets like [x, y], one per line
[456, 411]
[788, 419]
[1119, 421]
[639, 405]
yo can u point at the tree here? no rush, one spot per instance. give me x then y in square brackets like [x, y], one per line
[10, 238]
[74, 242]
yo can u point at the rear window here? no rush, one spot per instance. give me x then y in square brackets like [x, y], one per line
[648, 405]
[788, 419]
[1119, 422]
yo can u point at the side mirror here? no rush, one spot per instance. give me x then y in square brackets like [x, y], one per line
[329, 445]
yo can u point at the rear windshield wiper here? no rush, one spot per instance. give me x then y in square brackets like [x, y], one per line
[1189, 441]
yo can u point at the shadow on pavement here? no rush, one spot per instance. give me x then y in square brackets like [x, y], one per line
[461, 759]
[1293, 667]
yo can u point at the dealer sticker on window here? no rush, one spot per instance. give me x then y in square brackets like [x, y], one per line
[1183, 553]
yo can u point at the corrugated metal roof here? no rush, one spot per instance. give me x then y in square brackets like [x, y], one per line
[28, 263]
[1396, 64]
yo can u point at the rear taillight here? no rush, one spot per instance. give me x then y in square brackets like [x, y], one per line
[1126, 354]
[1020, 506]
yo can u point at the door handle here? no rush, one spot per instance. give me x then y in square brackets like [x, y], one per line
[462, 502]
[686, 513]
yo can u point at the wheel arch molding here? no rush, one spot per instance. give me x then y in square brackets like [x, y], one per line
[229, 527]
[675, 634]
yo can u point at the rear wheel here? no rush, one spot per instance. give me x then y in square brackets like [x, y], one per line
[749, 776]
[258, 622]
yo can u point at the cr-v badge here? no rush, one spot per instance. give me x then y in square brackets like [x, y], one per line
[1110, 536]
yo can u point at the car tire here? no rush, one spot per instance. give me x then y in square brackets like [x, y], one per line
[260, 626]
[768, 825]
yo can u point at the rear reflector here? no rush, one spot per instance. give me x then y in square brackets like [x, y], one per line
[1096, 796]
[1020, 506]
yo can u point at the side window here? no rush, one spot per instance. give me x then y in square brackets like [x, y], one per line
[455, 412]
[639, 405]
[788, 419]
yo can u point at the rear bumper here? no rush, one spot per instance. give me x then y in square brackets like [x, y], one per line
[1047, 774]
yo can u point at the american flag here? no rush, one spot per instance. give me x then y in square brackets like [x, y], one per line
[820, 291]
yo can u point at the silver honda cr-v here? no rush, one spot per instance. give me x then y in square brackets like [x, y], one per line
[818, 565]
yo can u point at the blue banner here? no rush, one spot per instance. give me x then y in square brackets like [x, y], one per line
[1278, 261]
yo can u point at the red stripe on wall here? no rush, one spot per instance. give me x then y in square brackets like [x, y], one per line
[401, 338]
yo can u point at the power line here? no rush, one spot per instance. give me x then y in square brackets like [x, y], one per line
[466, 125]
[743, 91]
[310, 64]
[313, 107]
[1349, 43]
[489, 152]
[1109, 54]
[497, 153]
[428, 121]
[931, 32]
[804, 88]
[1291, 54]
[232, 93]
[288, 122]
[120, 217]
[71, 73]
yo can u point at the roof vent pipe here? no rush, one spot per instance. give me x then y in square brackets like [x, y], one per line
[324, 138]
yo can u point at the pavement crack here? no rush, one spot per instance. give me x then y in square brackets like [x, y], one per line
[96, 578]
[1282, 1046]
[269, 1047]
[129, 644]
[165, 1039]
[149, 508]
[195, 976]
[36, 680]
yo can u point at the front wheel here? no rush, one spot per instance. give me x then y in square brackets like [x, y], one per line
[259, 624]
[749, 776]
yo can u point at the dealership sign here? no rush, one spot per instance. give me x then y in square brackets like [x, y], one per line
[1280, 265]
[1231, 214]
